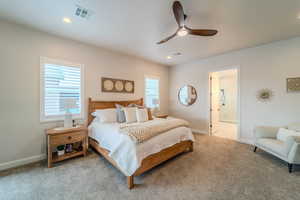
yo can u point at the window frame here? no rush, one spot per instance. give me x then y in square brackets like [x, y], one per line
[56, 118]
[145, 87]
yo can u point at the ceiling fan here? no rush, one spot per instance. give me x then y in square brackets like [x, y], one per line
[183, 30]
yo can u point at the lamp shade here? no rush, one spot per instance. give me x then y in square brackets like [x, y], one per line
[69, 104]
[155, 101]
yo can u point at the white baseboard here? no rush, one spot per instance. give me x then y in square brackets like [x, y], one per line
[246, 141]
[24, 161]
[199, 131]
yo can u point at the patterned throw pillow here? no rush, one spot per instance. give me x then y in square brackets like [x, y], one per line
[120, 113]
[130, 114]
[141, 107]
[142, 115]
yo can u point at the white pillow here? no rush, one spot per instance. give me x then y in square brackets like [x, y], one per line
[283, 134]
[106, 115]
[142, 115]
[130, 114]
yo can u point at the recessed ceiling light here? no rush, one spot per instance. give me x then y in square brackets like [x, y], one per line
[67, 20]
[169, 57]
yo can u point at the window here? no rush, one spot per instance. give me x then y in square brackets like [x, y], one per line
[152, 92]
[61, 85]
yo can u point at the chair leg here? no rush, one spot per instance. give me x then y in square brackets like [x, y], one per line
[290, 166]
[130, 182]
[255, 148]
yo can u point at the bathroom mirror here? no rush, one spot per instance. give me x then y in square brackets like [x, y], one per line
[187, 95]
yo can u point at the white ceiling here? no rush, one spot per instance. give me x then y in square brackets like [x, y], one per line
[134, 26]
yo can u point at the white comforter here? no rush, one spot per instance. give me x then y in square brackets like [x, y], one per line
[125, 152]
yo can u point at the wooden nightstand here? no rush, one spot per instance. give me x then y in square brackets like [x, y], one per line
[162, 116]
[63, 136]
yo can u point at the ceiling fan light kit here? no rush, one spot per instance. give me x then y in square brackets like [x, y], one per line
[182, 29]
[182, 32]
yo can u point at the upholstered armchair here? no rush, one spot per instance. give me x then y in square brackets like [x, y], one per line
[266, 138]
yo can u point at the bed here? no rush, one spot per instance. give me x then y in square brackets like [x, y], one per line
[169, 143]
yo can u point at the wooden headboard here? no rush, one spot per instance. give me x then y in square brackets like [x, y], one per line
[94, 105]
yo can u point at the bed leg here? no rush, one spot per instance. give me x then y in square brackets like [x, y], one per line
[191, 148]
[130, 182]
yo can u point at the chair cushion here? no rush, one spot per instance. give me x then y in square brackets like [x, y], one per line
[295, 127]
[274, 145]
[283, 134]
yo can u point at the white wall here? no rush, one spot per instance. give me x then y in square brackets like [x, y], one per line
[22, 135]
[265, 66]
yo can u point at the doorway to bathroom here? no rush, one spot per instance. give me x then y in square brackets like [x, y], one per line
[224, 103]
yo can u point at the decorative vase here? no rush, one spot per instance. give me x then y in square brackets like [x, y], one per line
[60, 150]
[69, 148]
[60, 153]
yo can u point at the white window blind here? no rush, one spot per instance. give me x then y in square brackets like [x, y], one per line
[61, 82]
[152, 92]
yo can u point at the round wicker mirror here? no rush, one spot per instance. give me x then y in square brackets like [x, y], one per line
[187, 95]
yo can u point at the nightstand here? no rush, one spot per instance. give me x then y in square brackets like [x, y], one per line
[162, 116]
[63, 136]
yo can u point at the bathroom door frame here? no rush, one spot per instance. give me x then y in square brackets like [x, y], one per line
[238, 106]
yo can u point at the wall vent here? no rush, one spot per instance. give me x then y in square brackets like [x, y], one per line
[83, 12]
[177, 54]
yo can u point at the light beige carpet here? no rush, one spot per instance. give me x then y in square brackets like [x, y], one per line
[217, 169]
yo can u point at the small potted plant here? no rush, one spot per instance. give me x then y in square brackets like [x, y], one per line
[60, 150]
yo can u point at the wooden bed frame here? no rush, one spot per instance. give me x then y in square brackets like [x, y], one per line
[148, 162]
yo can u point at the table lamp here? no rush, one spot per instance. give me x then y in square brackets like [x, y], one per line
[155, 103]
[69, 104]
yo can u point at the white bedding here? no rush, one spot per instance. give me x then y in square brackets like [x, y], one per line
[125, 152]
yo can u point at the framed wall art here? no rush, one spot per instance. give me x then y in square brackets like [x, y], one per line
[117, 85]
[293, 84]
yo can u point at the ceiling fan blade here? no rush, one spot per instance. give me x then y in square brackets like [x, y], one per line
[167, 39]
[202, 32]
[178, 13]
